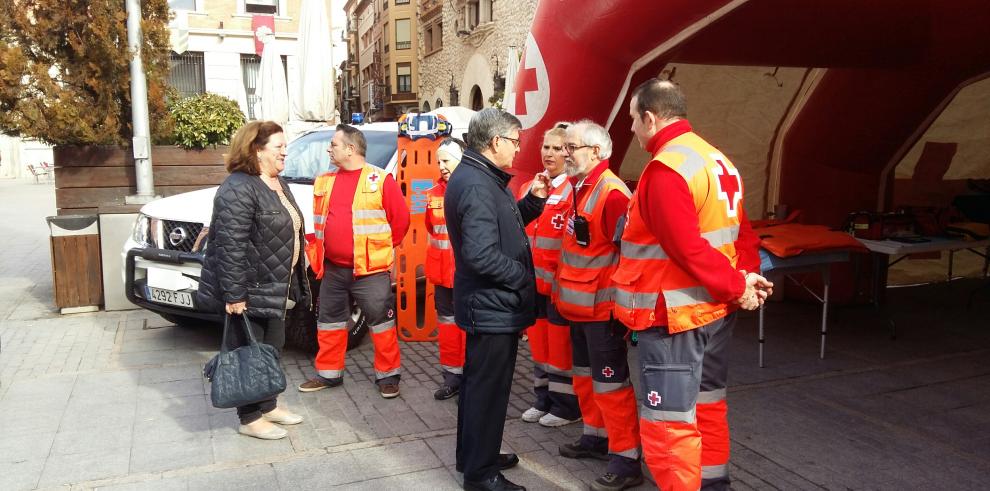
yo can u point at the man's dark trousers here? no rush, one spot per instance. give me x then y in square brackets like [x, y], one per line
[489, 363]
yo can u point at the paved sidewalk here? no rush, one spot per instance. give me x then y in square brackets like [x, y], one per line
[116, 400]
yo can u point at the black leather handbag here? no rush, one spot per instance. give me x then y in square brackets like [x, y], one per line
[244, 375]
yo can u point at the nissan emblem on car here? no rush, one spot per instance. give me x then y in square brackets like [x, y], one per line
[177, 236]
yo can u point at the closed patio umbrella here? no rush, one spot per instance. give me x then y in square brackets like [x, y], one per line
[273, 95]
[313, 97]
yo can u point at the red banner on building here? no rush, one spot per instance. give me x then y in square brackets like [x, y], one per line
[261, 26]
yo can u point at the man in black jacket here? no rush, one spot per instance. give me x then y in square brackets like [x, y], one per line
[494, 288]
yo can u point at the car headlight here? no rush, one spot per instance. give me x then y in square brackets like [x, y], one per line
[142, 230]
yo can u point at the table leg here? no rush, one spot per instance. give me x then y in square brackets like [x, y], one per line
[986, 261]
[827, 277]
[760, 337]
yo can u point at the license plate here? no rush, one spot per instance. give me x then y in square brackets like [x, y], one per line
[170, 297]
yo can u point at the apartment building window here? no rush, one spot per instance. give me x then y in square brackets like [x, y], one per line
[385, 35]
[401, 2]
[388, 86]
[402, 34]
[186, 73]
[189, 5]
[477, 12]
[250, 69]
[273, 7]
[384, 4]
[403, 77]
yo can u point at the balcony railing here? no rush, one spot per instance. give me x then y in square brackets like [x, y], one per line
[402, 45]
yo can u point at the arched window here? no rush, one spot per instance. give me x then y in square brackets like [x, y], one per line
[477, 100]
[426, 106]
[439, 103]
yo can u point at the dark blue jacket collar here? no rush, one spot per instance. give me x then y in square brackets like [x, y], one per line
[481, 162]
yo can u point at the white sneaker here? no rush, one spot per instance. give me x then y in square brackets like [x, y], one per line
[532, 415]
[551, 421]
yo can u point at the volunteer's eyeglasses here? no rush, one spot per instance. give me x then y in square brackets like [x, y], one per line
[570, 148]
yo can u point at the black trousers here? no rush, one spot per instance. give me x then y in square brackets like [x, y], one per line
[268, 331]
[489, 362]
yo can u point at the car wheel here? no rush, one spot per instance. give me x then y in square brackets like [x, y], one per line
[300, 324]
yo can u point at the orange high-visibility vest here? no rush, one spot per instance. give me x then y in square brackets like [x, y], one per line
[546, 231]
[645, 271]
[372, 233]
[582, 288]
[439, 256]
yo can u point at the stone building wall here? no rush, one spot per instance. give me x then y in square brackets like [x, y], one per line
[471, 60]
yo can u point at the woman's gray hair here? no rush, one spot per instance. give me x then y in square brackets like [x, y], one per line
[452, 147]
[487, 124]
[593, 133]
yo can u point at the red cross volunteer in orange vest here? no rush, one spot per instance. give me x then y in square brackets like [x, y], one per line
[550, 337]
[685, 251]
[359, 216]
[440, 271]
[582, 294]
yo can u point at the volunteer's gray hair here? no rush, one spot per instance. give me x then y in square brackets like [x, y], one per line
[487, 124]
[593, 133]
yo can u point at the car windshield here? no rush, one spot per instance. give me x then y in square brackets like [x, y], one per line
[307, 155]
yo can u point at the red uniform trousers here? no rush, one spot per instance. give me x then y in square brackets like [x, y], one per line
[601, 381]
[373, 294]
[450, 337]
[683, 415]
[550, 345]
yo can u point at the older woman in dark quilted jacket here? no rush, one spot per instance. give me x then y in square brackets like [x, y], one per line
[254, 263]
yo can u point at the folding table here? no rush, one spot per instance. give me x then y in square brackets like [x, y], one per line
[810, 261]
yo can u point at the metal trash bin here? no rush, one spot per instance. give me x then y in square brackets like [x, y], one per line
[76, 271]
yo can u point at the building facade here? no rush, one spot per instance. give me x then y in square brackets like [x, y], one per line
[466, 47]
[214, 46]
[382, 58]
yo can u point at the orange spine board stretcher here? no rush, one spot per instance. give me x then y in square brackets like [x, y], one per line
[418, 171]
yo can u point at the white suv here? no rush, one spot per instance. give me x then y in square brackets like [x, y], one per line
[163, 257]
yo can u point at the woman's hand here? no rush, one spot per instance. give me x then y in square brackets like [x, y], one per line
[541, 185]
[236, 308]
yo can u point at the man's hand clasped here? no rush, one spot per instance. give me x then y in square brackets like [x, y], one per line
[757, 290]
[541, 185]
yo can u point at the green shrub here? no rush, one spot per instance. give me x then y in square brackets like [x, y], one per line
[204, 120]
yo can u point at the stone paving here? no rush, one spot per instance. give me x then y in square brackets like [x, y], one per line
[115, 400]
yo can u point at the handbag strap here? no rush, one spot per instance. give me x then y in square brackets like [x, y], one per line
[226, 327]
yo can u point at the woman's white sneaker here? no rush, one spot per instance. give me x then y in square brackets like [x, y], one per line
[551, 421]
[532, 415]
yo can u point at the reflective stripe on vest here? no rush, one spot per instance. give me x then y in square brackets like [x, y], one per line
[439, 265]
[545, 232]
[372, 233]
[645, 269]
[581, 289]
[439, 244]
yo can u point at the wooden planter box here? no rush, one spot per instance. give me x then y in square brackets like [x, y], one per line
[90, 177]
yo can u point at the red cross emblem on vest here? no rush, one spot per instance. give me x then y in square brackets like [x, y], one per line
[558, 221]
[654, 398]
[728, 184]
[373, 178]
[608, 372]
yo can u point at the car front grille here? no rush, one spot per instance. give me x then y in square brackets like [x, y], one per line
[180, 236]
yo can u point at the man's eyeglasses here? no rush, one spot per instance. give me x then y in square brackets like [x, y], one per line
[571, 148]
[515, 141]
